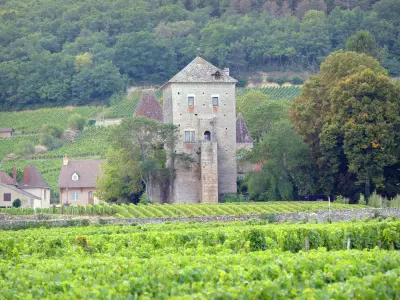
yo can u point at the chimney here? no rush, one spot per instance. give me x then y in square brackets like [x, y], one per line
[26, 175]
[65, 161]
[226, 71]
[15, 175]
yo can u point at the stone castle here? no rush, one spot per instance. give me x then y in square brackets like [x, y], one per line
[201, 102]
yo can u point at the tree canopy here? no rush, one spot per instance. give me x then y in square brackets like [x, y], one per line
[70, 52]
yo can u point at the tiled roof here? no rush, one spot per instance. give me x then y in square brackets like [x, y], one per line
[5, 178]
[11, 187]
[6, 129]
[32, 179]
[242, 132]
[201, 71]
[149, 107]
[87, 171]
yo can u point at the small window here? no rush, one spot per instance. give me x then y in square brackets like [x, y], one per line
[207, 136]
[215, 100]
[75, 177]
[7, 197]
[75, 195]
[191, 100]
[189, 136]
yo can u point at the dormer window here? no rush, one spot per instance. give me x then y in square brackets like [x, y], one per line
[190, 100]
[75, 177]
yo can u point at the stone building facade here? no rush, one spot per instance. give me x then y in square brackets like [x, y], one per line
[201, 101]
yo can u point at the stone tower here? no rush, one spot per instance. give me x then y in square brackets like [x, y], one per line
[201, 101]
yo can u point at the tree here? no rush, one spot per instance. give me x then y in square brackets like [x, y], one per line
[362, 122]
[76, 122]
[286, 169]
[338, 112]
[53, 130]
[362, 42]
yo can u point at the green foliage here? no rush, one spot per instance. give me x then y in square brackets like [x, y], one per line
[56, 59]
[344, 200]
[362, 42]
[274, 93]
[53, 130]
[32, 121]
[190, 210]
[375, 200]
[10, 145]
[50, 142]
[76, 122]
[123, 106]
[24, 148]
[348, 114]
[16, 203]
[362, 201]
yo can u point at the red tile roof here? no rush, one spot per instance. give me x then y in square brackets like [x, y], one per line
[87, 171]
[149, 107]
[5, 178]
[32, 179]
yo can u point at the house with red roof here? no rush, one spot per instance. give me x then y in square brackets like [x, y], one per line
[33, 191]
[77, 181]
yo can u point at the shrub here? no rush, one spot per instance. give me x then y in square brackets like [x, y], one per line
[143, 199]
[16, 203]
[341, 199]
[50, 142]
[395, 202]
[375, 200]
[52, 130]
[296, 80]
[76, 121]
[281, 80]
[24, 148]
[362, 200]
[91, 122]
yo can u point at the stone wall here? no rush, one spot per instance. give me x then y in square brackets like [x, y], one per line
[16, 222]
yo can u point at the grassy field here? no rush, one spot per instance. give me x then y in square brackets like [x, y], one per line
[238, 260]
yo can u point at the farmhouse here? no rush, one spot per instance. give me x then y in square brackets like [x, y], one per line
[33, 191]
[34, 184]
[6, 132]
[77, 181]
[201, 101]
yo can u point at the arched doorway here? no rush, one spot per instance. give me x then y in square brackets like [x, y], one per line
[207, 136]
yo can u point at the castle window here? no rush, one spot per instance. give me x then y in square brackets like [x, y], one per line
[190, 100]
[207, 136]
[190, 136]
[215, 100]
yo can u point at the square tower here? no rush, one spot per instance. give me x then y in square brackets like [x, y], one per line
[201, 101]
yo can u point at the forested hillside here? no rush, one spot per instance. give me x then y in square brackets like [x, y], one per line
[65, 51]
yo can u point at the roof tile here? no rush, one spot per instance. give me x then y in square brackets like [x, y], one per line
[87, 171]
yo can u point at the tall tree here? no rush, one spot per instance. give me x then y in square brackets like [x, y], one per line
[362, 42]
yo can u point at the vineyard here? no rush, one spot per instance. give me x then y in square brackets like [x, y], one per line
[274, 93]
[124, 108]
[237, 260]
[92, 141]
[32, 120]
[184, 210]
[9, 145]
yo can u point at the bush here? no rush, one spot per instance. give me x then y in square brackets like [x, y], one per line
[24, 148]
[362, 200]
[77, 122]
[52, 130]
[375, 200]
[281, 80]
[395, 202]
[143, 199]
[91, 122]
[296, 80]
[50, 142]
[16, 203]
[341, 199]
